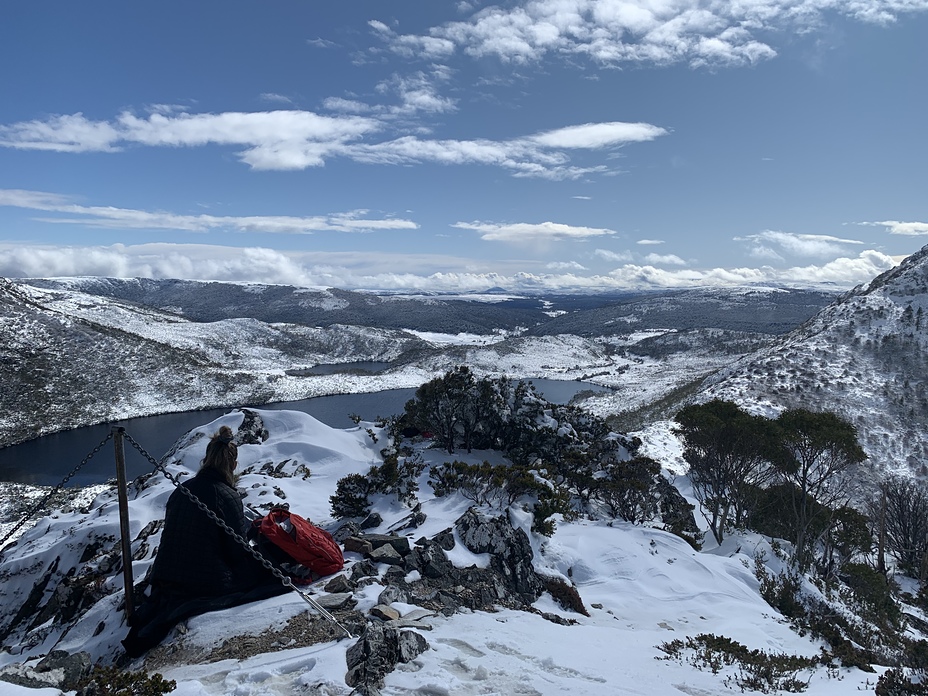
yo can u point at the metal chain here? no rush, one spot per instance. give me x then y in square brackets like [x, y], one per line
[55, 490]
[285, 580]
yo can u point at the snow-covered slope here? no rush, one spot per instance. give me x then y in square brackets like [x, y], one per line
[643, 587]
[70, 357]
[863, 357]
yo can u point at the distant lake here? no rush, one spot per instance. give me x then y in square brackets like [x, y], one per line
[46, 460]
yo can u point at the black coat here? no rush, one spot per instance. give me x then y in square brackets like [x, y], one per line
[196, 556]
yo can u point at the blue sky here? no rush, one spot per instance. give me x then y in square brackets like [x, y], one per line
[549, 145]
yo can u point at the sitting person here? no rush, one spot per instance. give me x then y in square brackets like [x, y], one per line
[199, 567]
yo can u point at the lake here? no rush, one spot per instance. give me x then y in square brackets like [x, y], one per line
[48, 459]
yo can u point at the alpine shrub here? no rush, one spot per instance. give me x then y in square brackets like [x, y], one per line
[111, 681]
[351, 497]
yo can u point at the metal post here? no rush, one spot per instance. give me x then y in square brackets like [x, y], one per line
[124, 518]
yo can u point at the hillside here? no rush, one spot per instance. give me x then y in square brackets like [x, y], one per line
[642, 587]
[75, 354]
[70, 359]
[213, 301]
[864, 357]
[751, 310]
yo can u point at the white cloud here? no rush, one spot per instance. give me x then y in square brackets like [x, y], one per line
[665, 259]
[612, 256]
[614, 32]
[913, 229]
[382, 271]
[649, 242]
[565, 266]
[525, 231]
[811, 245]
[412, 46]
[293, 139]
[127, 218]
[598, 135]
[583, 198]
[277, 98]
[418, 92]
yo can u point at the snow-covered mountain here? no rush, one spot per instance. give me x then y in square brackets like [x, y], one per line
[69, 359]
[864, 357]
[642, 588]
[88, 350]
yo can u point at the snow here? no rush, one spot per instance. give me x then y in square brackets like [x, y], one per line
[641, 585]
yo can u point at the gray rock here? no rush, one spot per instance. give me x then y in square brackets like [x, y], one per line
[510, 551]
[385, 554]
[372, 521]
[385, 612]
[391, 594]
[377, 653]
[346, 530]
[334, 601]
[431, 561]
[339, 583]
[410, 646]
[364, 569]
[400, 544]
[357, 545]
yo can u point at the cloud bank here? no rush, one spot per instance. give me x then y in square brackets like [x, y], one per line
[379, 271]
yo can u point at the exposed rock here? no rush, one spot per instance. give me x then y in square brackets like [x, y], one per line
[357, 545]
[400, 544]
[385, 612]
[339, 583]
[346, 530]
[364, 569]
[385, 554]
[410, 646]
[510, 551]
[57, 670]
[393, 593]
[372, 521]
[72, 667]
[395, 575]
[377, 652]
[430, 560]
[445, 539]
[334, 601]
[413, 520]
[252, 430]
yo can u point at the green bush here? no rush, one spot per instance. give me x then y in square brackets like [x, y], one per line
[757, 670]
[871, 593]
[895, 682]
[351, 497]
[111, 681]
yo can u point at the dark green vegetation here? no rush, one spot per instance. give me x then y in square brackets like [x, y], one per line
[112, 681]
[743, 465]
[787, 478]
[562, 460]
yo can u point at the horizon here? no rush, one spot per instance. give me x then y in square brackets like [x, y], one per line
[540, 147]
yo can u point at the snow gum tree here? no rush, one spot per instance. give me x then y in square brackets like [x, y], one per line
[727, 450]
[814, 451]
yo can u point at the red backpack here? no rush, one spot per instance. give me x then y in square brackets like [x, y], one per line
[303, 542]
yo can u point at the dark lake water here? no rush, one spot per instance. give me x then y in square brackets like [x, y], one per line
[47, 460]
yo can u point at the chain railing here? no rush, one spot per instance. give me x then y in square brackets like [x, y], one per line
[284, 579]
[38, 506]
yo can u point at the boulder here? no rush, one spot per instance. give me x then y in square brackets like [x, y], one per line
[377, 652]
[509, 548]
[385, 554]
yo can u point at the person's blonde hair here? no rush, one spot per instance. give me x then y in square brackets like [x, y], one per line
[221, 454]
